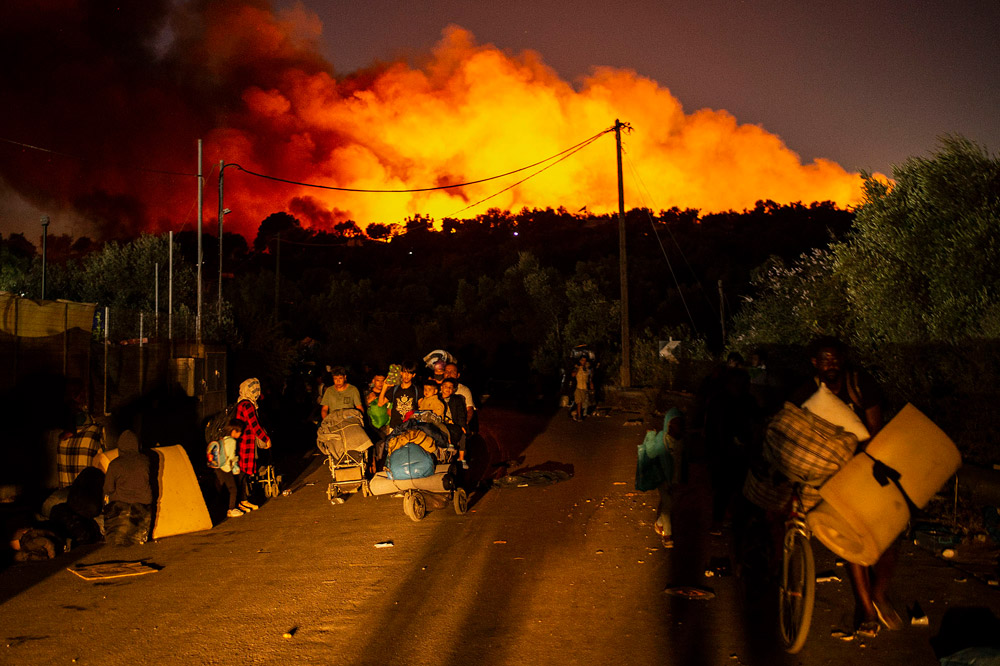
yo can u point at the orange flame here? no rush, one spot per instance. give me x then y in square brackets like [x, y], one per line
[473, 111]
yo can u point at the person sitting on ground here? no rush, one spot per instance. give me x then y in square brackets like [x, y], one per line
[430, 402]
[34, 544]
[229, 467]
[75, 519]
[79, 446]
[454, 417]
[341, 395]
[128, 514]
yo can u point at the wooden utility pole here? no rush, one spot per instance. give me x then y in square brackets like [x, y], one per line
[626, 376]
[201, 198]
[222, 214]
[722, 314]
[277, 272]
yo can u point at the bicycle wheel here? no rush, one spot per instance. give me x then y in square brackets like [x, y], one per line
[797, 592]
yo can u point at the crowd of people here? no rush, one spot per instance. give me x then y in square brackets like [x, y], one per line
[391, 398]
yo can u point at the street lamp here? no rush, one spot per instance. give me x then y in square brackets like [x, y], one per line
[45, 238]
[222, 214]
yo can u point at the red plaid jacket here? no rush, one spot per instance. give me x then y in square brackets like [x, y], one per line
[246, 412]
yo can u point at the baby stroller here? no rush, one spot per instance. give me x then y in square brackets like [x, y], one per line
[342, 438]
[424, 479]
[268, 479]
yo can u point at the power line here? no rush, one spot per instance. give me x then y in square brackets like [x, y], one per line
[680, 292]
[575, 149]
[578, 146]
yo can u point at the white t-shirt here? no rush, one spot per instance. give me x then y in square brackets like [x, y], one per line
[464, 391]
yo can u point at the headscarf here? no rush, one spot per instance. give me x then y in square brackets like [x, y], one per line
[250, 390]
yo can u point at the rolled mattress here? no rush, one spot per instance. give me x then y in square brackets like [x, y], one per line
[438, 482]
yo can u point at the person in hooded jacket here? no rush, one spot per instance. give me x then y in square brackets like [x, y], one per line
[129, 511]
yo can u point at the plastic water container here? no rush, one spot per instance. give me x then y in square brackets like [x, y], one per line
[859, 518]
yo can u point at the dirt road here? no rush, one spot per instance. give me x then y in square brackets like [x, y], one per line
[565, 573]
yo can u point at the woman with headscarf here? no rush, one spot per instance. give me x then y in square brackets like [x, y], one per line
[254, 437]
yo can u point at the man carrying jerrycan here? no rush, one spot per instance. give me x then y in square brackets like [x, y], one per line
[825, 437]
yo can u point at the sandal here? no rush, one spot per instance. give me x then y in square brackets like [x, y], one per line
[888, 616]
[868, 629]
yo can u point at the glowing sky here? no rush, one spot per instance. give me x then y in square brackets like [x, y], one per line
[731, 101]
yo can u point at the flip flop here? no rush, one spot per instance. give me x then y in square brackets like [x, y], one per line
[868, 629]
[888, 616]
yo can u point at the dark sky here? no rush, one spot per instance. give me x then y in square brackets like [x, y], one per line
[866, 84]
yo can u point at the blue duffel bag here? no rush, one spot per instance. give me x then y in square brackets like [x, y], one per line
[409, 462]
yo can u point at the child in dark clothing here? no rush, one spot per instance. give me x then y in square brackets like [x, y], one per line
[128, 514]
[455, 417]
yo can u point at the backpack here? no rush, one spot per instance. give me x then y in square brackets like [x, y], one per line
[218, 426]
[216, 454]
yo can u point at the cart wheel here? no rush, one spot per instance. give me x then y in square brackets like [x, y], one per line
[460, 501]
[365, 490]
[414, 506]
[333, 494]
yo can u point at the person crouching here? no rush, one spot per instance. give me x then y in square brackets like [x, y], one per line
[129, 511]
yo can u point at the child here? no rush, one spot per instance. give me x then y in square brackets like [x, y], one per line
[128, 514]
[430, 402]
[378, 415]
[455, 417]
[402, 398]
[229, 466]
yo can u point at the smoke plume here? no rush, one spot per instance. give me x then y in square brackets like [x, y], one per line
[121, 92]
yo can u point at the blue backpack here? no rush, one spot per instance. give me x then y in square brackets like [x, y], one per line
[409, 462]
[216, 454]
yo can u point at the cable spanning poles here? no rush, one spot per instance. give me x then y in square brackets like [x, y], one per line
[562, 155]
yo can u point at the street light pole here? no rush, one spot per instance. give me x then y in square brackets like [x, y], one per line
[45, 238]
[222, 214]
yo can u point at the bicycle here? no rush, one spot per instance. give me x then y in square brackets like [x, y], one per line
[797, 589]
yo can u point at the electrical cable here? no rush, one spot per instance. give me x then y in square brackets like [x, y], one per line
[578, 146]
[670, 266]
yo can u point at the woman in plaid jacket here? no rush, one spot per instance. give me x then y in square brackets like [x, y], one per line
[254, 437]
